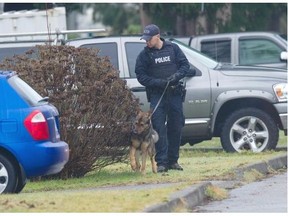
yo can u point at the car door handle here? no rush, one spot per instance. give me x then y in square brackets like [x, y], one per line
[138, 89]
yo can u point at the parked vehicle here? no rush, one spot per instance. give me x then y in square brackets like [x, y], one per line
[9, 48]
[31, 21]
[17, 32]
[30, 143]
[244, 106]
[243, 48]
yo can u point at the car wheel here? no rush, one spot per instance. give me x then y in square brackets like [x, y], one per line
[8, 175]
[249, 129]
[20, 185]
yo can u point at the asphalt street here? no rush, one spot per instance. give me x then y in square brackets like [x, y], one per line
[266, 196]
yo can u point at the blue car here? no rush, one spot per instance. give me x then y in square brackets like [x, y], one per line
[30, 144]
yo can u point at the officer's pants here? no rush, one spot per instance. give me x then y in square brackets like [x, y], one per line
[168, 121]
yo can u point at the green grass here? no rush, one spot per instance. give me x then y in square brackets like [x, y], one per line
[84, 195]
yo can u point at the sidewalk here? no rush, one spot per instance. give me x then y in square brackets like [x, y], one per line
[195, 195]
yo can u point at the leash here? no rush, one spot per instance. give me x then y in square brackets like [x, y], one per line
[155, 108]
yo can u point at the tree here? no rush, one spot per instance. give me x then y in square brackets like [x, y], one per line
[181, 18]
[119, 16]
[172, 17]
[255, 17]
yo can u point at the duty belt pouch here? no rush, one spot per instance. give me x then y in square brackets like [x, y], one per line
[183, 89]
[148, 94]
[183, 93]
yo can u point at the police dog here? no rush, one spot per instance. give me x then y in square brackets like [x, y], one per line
[143, 141]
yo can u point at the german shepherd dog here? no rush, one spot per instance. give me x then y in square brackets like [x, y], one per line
[143, 141]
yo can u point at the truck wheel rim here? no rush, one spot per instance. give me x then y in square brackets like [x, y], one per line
[3, 178]
[249, 133]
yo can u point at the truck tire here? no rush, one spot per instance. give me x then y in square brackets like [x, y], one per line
[249, 129]
[8, 175]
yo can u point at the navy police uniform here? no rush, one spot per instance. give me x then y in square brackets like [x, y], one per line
[154, 67]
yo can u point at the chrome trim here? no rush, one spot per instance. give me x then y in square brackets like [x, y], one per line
[196, 121]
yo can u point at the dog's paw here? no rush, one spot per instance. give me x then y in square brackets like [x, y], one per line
[134, 167]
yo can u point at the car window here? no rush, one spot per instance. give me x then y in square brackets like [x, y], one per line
[25, 91]
[11, 51]
[196, 56]
[133, 50]
[106, 49]
[258, 51]
[218, 50]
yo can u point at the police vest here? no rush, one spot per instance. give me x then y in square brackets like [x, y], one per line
[162, 62]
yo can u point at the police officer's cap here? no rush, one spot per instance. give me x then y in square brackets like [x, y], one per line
[150, 31]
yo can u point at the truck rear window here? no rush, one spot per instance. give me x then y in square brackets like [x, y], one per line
[133, 50]
[11, 51]
[218, 50]
[106, 49]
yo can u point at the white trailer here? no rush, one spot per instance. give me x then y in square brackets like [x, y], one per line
[29, 21]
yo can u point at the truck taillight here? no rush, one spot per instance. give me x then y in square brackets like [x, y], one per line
[37, 126]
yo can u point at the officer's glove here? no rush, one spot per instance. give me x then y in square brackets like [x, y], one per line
[161, 83]
[173, 80]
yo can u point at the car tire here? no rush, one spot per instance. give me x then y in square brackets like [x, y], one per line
[8, 175]
[249, 129]
[20, 185]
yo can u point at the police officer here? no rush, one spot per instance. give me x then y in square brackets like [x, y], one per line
[159, 67]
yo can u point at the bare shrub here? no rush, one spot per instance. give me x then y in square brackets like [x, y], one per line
[95, 105]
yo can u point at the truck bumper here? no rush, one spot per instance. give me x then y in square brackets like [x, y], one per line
[282, 111]
[283, 118]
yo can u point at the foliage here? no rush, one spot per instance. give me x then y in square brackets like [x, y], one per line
[133, 29]
[255, 17]
[118, 16]
[216, 193]
[212, 20]
[199, 165]
[181, 18]
[165, 15]
[245, 16]
[95, 105]
[252, 175]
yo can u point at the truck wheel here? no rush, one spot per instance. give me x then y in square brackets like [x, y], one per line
[8, 176]
[249, 129]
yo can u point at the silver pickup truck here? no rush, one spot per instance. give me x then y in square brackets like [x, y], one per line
[244, 106]
[243, 48]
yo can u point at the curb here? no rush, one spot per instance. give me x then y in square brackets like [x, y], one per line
[195, 195]
[187, 198]
[264, 167]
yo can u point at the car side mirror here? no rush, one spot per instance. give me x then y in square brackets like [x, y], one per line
[284, 55]
[191, 72]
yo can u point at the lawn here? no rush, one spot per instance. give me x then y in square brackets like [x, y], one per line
[90, 193]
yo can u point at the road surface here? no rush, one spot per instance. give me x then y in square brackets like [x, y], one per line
[268, 195]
